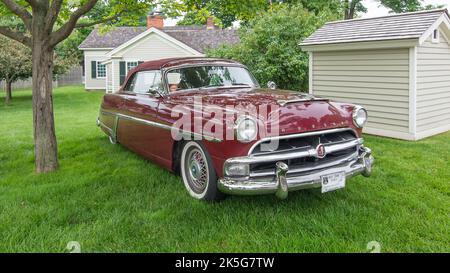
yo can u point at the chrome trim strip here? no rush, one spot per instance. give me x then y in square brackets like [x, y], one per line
[116, 125]
[158, 125]
[101, 124]
[315, 133]
[143, 121]
[285, 102]
[354, 114]
[252, 159]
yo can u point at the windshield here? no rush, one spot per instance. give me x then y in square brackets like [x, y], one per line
[209, 76]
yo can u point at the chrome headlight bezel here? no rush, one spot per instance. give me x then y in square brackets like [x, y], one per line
[356, 115]
[252, 125]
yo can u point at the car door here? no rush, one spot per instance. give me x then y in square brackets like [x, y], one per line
[138, 129]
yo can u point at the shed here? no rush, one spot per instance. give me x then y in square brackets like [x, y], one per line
[397, 67]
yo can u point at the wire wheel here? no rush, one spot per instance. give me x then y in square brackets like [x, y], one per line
[196, 170]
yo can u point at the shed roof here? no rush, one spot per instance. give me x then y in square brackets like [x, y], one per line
[196, 37]
[395, 27]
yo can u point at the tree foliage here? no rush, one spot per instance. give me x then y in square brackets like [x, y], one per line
[47, 23]
[270, 45]
[226, 11]
[196, 12]
[15, 63]
[400, 6]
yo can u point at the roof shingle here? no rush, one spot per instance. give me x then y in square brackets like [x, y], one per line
[196, 37]
[394, 27]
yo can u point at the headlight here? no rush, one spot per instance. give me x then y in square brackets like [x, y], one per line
[359, 116]
[246, 129]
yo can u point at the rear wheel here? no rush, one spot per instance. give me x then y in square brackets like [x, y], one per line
[198, 173]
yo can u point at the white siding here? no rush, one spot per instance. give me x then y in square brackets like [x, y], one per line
[152, 47]
[375, 79]
[433, 85]
[109, 83]
[89, 56]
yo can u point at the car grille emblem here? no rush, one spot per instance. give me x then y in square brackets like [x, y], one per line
[321, 153]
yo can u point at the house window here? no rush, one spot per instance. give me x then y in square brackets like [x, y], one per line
[131, 65]
[101, 70]
[436, 35]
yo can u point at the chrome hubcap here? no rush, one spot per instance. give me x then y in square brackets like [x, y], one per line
[197, 171]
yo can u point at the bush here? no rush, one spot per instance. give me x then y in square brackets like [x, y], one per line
[270, 46]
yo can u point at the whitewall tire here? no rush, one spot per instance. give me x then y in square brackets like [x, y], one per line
[197, 171]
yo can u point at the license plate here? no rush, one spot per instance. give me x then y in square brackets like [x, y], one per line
[333, 182]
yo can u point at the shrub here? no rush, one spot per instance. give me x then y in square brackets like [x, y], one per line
[270, 46]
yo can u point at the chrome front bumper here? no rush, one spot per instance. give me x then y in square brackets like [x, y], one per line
[283, 182]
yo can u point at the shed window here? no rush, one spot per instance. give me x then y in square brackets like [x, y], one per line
[101, 70]
[436, 36]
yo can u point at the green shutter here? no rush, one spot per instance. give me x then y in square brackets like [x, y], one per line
[94, 69]
[122, 72]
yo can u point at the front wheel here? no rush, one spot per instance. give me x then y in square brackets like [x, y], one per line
[197, 171]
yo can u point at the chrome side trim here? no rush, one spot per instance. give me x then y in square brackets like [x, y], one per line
[312, 152]
[143, 121]
[307, 134]
[158, 125]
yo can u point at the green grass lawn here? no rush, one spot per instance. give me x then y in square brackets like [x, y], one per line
[110, 200]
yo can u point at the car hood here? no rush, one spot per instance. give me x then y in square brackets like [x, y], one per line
[237, 96]
[293, 112]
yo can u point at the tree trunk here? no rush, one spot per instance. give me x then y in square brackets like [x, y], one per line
[347, 9]
[46, 154]
[8, 92]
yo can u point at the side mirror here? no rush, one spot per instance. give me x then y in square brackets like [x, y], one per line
[154, 92]
[271, 85]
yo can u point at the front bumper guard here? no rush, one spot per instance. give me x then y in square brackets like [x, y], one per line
[284, 183]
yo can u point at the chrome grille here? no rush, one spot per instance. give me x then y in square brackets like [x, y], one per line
[342, 146]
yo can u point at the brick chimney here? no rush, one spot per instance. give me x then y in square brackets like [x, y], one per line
[155, 20]
[210, 23]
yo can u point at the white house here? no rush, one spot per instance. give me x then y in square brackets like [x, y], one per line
[398, 67]
[109, 56]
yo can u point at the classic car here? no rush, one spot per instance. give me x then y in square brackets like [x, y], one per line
[225, 144]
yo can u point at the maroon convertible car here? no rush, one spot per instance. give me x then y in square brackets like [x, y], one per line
[209, 120]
